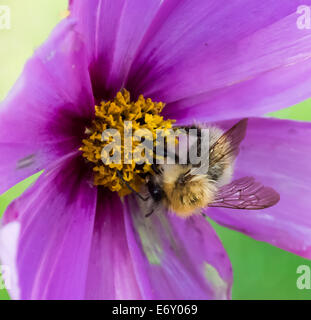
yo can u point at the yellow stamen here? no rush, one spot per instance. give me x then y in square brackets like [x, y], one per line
[143, 114]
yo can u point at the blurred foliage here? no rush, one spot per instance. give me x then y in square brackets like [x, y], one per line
[260, 270]
[31, 23]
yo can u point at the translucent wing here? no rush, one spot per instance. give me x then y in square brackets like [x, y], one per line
[224, 150]
[227, 146]
[245, 193]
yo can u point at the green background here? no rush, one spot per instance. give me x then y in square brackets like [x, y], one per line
[260, 270]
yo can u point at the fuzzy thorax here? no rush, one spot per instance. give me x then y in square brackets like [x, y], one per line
[186, 197]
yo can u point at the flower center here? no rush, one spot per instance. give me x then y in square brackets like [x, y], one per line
[113, 119]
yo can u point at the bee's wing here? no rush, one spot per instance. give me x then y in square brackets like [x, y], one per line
[224, 149]
[227, 145]
[245, 193]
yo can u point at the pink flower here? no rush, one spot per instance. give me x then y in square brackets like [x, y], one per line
[209, 61]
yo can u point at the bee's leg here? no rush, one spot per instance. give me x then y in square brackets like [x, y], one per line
[155, 206]
[140, 196]
[149, 214]
[127, 184]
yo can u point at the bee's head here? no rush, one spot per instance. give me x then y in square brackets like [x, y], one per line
[155, 189]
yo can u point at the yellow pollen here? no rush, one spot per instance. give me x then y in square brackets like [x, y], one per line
[143, 114]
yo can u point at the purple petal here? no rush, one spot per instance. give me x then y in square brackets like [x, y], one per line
[278, 154]
[110, 273]
[56, 218]
[275, 89]
[113, 31]
[224, 60]
[44, 116]
[175, 258]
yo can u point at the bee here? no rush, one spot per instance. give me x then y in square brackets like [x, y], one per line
[185, 191]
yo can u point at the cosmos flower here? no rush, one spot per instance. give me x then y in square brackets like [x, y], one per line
[208, 61]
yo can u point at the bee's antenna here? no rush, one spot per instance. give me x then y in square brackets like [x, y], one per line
[127, 184]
